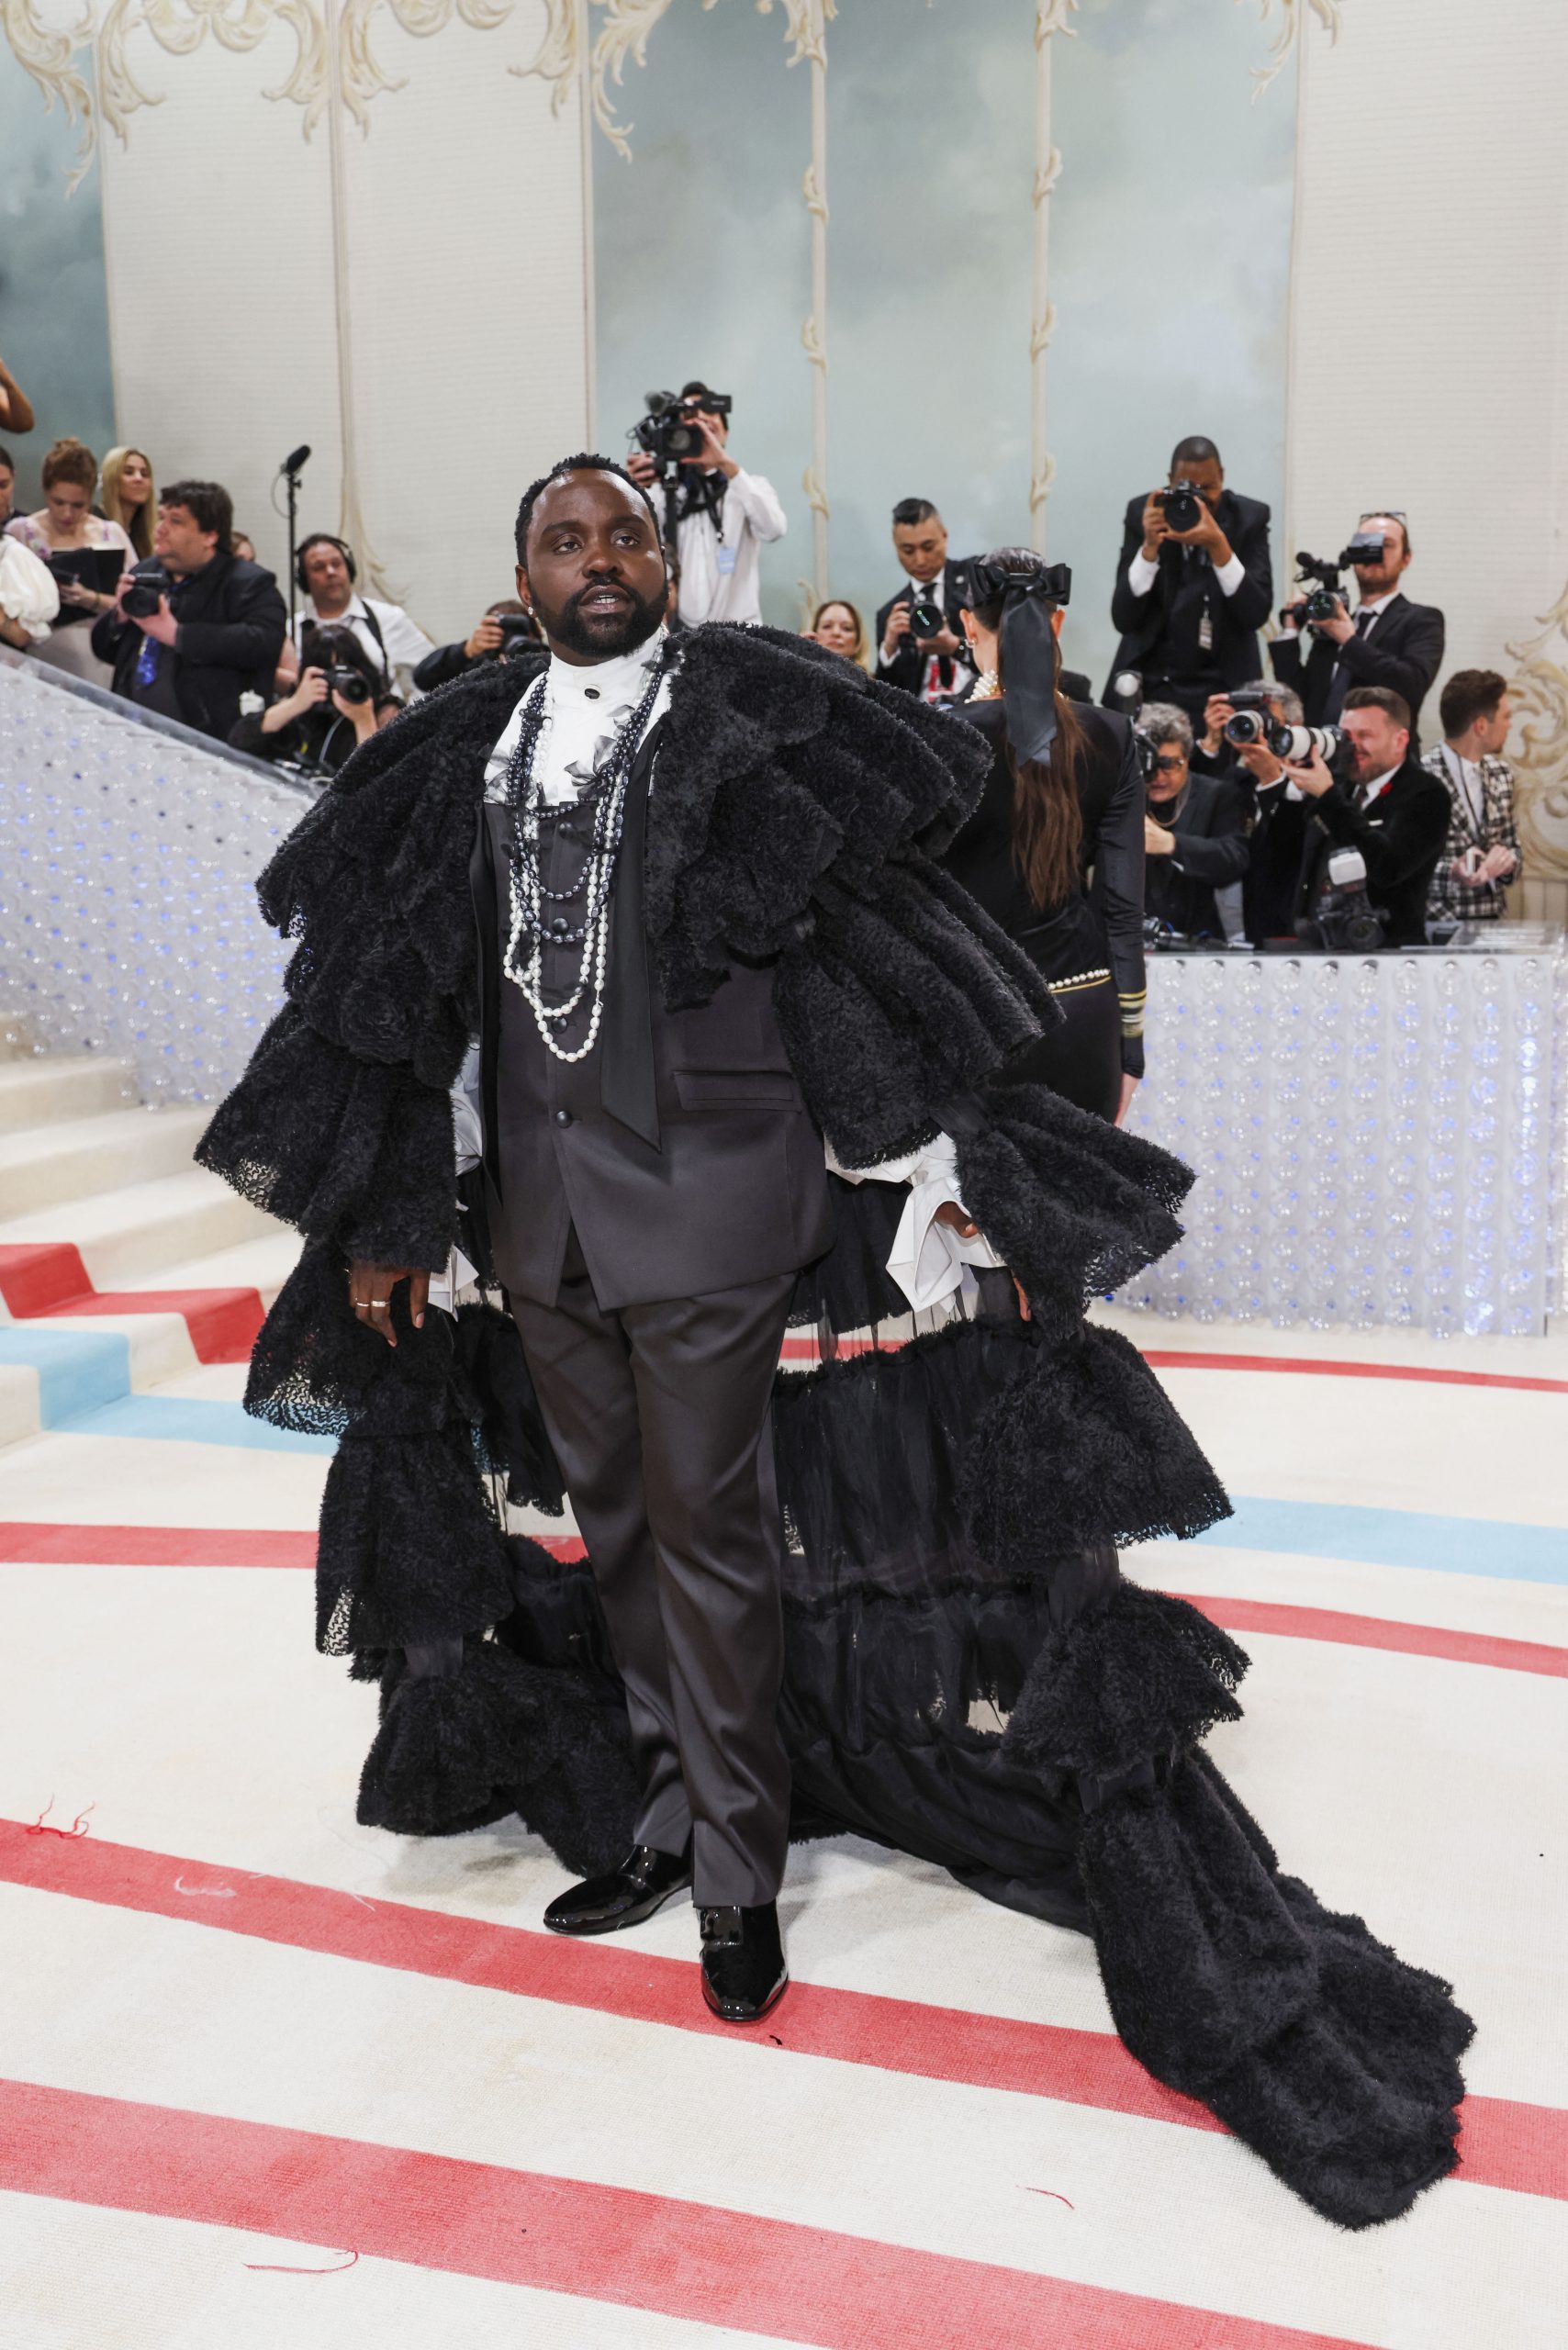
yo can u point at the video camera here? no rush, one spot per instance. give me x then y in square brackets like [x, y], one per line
[1318, 603]
[669, 432]
[147, 589]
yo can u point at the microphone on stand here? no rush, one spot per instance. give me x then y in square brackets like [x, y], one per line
[290, 470]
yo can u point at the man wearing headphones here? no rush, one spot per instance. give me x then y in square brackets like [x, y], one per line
[325, 576]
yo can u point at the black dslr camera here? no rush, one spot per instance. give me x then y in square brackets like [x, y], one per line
[519, 633]
[1319, 602]
[348, 683]
[1183, 505]
[148, 588]
[670, 432]
[926, 620]
[1344, 919]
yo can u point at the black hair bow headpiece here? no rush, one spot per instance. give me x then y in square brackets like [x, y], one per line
[1028, 594]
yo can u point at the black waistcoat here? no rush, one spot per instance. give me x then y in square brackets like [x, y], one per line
[735, 1191]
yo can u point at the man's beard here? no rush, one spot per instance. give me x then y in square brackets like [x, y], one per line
[606, 636]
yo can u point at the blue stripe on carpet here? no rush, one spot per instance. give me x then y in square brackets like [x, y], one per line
[177, 1419]
[78, 1370]
[1396, 1538]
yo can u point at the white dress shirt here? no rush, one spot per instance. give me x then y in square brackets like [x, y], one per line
[718, 574]
[404, 644]
[1142, 574]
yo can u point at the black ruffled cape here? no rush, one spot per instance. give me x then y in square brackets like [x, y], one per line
[969, 1678]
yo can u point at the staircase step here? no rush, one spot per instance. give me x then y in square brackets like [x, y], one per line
[18, 1402]
[262, 1265]
[44, 1088]
[49, 1278]
[126, 1237]
[78, 1370]
[46, 1166]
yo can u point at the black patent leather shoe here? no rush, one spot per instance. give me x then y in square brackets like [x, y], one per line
[743, 1973]
[602, 1905]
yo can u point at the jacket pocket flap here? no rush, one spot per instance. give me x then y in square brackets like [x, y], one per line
[715, 1089]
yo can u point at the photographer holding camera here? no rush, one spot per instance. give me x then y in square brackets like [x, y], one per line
[1388, 807]
[1237, 747]
[1388, 641]
[505, 628]
[1195, 583]
[193, 627]
[326, 574]
[341, 698]
[721, 515]
[1194, 829]
[920, 646]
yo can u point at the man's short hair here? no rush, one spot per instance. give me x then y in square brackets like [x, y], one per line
[1197, 449]
[1471, 694]
[1285, 699]
[208, 505]
[1164, 721]
[1380, 697]
[8, 461]
[911, 510]
[696, 391]
[584, 461]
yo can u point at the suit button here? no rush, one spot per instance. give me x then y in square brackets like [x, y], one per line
[562, 1117]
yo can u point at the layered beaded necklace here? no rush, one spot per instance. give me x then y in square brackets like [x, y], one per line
[533, 926]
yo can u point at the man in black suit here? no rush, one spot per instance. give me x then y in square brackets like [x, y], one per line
[217, 630]
[1388, 641]
[1194, 829]
[1391, 808]
[933, 666]
[1188, 602]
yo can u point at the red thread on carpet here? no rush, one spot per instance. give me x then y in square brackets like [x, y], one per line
[700, 2262]
[77, 1828]
[1051, 2193]
[1506, 2143]
[283, 2269]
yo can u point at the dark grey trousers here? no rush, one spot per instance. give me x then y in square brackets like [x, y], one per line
[661, 1422]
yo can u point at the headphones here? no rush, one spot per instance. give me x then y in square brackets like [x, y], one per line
[323, 539]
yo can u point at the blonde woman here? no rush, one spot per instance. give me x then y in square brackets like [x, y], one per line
[839, 626]
[128, 497]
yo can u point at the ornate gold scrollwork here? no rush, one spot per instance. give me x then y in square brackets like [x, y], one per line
[1538, 690]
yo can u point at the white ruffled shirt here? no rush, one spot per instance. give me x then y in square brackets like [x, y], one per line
[585, 709]
[28, 594]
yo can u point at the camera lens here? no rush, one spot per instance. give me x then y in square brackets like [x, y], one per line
[1244, 726]
[1184, 507]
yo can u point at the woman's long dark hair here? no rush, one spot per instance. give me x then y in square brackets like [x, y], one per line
[1047, 818]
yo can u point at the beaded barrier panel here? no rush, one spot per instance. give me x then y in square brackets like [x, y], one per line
[129, 859]
[1379, 1139]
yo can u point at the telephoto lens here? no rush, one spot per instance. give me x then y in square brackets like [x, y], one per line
[1297, 743]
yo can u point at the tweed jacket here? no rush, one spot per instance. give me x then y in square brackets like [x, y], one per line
[1447, 902]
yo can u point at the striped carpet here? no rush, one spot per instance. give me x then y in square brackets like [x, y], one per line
[272, 2081]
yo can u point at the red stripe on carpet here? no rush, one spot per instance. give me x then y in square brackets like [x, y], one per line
[49, 1544]
[48, 1278]
[1377, 1632]
[685, 2259]
[1507, 2144]
[1165, 1358]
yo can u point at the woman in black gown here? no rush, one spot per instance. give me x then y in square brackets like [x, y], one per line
[1054, 852]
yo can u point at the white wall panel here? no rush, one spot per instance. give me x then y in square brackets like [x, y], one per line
[217, 236]
[1430, 298]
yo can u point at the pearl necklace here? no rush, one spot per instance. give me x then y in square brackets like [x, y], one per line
[528, 893]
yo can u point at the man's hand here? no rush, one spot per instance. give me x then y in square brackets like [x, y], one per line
[712, 456]
[1310, 775]
[1157, 840]
[1340, 629]
[642, 468]
[1498, 864]
[370, 1295]
[896, 631]
[486, 638]
[1129, 1087]
[956, 1220]
[1216, 709]
[1155, 529]
[1205, 532]
[161, 623]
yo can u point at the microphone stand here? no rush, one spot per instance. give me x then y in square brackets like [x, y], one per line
[291, 478]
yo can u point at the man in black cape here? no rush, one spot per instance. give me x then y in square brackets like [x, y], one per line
[627, 939]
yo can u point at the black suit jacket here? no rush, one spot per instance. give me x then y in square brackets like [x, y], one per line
[1405, 651]
[907, 669]
[1272, 879]
[1167, 621]
[1401, 836]
[1211, 833]
[232, 628]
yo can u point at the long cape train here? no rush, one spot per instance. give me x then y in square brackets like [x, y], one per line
[970, 1677]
